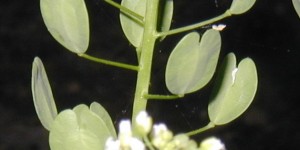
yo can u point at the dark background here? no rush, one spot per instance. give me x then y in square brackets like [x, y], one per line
[268, 33]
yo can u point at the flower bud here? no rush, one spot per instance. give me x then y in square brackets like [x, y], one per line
[144, 123]
[212, 143]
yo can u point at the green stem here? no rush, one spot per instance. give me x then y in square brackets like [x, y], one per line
[145, 62]
[194, 26]
[108, 62]
[162, 97]
[208, 126]
[148, 143]
[125, 10]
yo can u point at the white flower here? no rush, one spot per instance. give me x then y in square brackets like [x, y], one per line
[161, 136]
[125, 140]
[144, 122]
[125, 133]
[212, 143]
[136, 144]
[111, 144]
[159, 128]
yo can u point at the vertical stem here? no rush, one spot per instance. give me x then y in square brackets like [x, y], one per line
[147, 47]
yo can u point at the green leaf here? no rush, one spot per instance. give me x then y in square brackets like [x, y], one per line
[296, 4]
[78, 129]
[103, 114]
[241, 6]
[234, 91]
[192, 64]
[67, 21]
[132, 27]
[166, 17]
[42, 95]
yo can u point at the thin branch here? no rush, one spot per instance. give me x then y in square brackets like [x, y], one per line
[208, 126]
[162, 97]
[194, 26]
[111, 63]
[125, 10]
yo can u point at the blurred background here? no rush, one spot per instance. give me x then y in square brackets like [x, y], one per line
[269, 33]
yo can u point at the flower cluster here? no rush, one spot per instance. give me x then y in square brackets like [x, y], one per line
[125, 139]
[156, 137]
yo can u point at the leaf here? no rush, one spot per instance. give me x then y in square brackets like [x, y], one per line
[192, 64]
[296, 4]
[78, 129]
[166, 17]
[67, 21]
[132, 27]
[234, 91]
[103, 114]
[42, 95]
[241, 6]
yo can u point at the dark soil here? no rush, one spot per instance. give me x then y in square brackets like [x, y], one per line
[269, 34]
